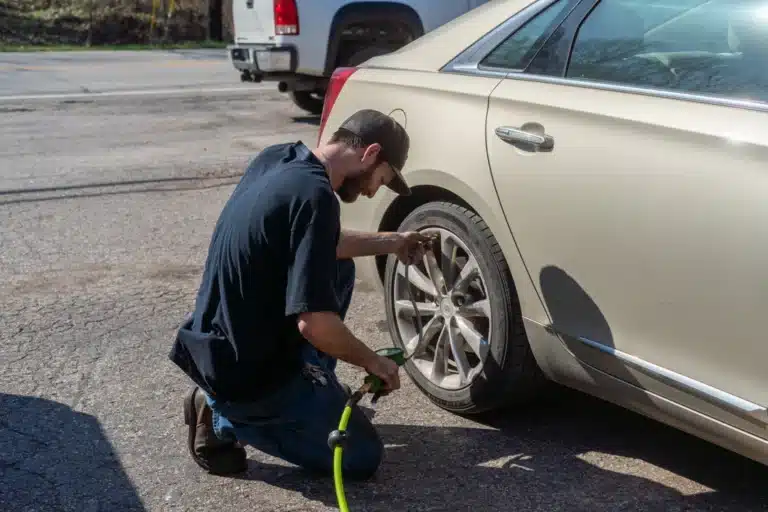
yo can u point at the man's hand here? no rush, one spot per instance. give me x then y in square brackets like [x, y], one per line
[387, 370]
[410, 247]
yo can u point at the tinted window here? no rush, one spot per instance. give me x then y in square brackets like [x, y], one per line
[715, 47]
[518, 49]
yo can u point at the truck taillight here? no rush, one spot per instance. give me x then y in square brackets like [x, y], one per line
[286, 18]
[335, 84]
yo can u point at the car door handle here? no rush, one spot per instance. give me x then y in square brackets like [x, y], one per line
[516, 135]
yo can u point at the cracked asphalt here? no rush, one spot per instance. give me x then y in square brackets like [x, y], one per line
[106, 207]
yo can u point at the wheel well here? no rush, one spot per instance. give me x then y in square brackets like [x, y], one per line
[404, 205]
[353, 27]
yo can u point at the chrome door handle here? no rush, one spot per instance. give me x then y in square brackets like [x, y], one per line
[516, 135]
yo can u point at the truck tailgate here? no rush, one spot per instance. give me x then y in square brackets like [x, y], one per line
[254, 21]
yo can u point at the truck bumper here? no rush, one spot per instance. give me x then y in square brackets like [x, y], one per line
[263, 61]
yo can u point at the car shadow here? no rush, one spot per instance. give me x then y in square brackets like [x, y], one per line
[548, 458]
[55, 458]
[310, 120]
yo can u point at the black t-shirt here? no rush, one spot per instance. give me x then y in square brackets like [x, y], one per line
[272, 256]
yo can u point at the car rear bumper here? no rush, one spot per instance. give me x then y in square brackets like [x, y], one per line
[263, 60]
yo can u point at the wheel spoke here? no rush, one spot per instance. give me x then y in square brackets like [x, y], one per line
[473, 338]
[417, 278]
[425, 308]
[448, 250]
[477, 308]
[435, 274]
[440, 363]
[467, 274]
[431, 328]
[459, 357]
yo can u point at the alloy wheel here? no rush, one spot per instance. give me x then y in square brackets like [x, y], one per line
[451, 296]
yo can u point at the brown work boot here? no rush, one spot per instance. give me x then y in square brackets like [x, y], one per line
[208, 451]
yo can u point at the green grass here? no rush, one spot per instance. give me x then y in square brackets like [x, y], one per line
[188, 45]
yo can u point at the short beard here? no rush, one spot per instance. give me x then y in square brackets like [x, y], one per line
[349, 191]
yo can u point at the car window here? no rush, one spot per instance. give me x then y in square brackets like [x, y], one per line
[518, 49]
[713, 47]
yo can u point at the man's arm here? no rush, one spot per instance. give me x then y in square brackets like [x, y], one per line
[327, 333]
[310, 295]
[355, 244]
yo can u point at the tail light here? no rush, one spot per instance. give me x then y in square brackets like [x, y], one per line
[335, 84]
[286, 18]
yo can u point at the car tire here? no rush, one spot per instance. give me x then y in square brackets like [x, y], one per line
[306, 100]
[509, 373]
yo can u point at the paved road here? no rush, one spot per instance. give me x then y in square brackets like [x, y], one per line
[106, 208]
[31, 73]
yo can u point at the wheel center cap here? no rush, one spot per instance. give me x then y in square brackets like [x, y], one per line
[447, 308]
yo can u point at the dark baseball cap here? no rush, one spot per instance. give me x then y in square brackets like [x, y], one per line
[372, 127]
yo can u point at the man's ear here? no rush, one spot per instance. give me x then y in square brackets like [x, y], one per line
[371, 152]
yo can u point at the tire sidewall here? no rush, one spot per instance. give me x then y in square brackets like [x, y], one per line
[479, 392]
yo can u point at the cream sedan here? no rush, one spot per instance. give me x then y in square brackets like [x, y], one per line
[597, 171]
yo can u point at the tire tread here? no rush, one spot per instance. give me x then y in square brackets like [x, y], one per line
[524, 377]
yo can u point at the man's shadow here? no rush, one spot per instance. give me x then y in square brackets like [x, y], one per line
[53, 458]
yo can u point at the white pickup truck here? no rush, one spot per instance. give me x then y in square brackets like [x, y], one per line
[298, 43]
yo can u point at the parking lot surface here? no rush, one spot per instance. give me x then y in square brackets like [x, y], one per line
[106, 208]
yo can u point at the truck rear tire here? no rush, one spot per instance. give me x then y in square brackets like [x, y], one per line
[308, 101]
[364, 54]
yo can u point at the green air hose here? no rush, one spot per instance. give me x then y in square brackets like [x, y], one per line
[372, 384]
[337, 453]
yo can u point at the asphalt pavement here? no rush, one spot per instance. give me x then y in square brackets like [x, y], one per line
[94, 72]
[107, 204]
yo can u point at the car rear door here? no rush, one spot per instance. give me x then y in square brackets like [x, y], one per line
[630, 155]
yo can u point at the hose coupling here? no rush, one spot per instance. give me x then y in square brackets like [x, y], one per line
[336, 438]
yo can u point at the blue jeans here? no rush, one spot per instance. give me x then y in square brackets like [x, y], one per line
[293, 423]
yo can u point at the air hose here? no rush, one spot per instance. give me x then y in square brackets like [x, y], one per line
[336, 441]
[371, 384]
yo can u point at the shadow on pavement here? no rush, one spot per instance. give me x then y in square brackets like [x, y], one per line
[310, 120]
[547, 459]
[124, 183]
[219, 183]
[55, 459]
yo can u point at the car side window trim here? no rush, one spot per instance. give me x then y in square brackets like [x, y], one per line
[553, 57]
[467, 62]
[541, 41]
[644, 91]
